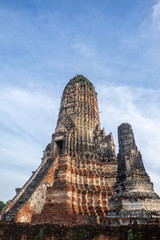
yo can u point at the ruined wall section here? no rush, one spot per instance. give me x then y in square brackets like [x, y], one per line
[27, 201]
[35, 203]
[81, 191]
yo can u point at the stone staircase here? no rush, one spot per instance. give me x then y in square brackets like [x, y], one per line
[24, 195]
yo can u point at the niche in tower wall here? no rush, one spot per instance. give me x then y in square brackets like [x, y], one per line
[59, 148]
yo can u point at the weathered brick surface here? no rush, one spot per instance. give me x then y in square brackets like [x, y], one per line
[75, 195]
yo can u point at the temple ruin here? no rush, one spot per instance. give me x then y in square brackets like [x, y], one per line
[80, 179]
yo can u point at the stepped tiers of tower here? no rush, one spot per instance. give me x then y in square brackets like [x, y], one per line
[80, 179]
[134, 197]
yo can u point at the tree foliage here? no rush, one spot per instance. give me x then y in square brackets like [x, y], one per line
[2, 205]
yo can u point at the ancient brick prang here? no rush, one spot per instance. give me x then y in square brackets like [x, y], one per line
[134, 197]
[75, 181]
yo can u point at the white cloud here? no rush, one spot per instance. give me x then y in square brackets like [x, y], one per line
[26, 109]
[156, 14]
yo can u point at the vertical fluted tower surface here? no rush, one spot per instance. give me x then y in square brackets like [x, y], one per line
[126, 137]
[78, 132]
[130, 159]
[79, 102]
[78, 116]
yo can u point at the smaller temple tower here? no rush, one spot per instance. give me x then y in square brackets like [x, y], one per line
[134, 198]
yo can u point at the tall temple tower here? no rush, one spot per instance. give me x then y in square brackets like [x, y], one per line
[75, 180]
[78, 131]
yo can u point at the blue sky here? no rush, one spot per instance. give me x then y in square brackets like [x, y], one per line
[43, 44]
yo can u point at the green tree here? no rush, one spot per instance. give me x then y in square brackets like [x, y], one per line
[2, 205]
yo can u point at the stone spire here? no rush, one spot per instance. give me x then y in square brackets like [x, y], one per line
[134, 197]
[130, 159]
[78, 131]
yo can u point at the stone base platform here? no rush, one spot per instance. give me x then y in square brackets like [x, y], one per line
[90, 232]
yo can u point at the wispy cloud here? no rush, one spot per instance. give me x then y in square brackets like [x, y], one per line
[28, 119]
[156, 14]
[22, 108]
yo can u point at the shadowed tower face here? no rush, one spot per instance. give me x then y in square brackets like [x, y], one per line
[130, 159]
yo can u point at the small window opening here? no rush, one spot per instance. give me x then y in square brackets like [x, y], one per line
[59, 147]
